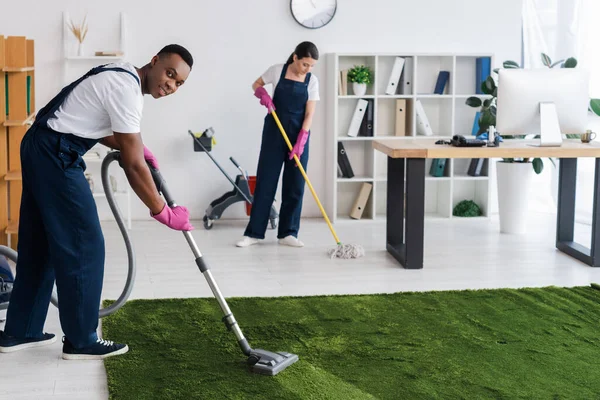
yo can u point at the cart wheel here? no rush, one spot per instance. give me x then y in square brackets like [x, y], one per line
[208, 223]
[274, 223]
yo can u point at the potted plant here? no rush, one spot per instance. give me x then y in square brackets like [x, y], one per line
[360, 76]
[514, 174]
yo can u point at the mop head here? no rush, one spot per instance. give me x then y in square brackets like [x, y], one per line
[347, 251]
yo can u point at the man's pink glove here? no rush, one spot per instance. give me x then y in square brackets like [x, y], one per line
[149, 157]
[300, 143]
[177, 218]
[264, 97]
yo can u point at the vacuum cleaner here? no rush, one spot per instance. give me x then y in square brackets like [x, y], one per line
[241, 191]
[259, 361]
[6, 282]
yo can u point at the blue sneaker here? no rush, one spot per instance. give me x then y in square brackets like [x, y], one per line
[97, 351]
[9, 344]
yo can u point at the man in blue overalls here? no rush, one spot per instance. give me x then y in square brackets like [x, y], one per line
[59, 231]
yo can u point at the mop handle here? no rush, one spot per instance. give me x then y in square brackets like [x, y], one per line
[305, 177]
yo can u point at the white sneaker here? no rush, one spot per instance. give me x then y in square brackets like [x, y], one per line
[246, 241]
[291, 241]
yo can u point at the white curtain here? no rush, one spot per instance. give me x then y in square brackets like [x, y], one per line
[534, 36]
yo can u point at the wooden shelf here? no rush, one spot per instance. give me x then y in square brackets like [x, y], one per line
[13, 228]
[16, 122]
[18, 69]
[13, 176]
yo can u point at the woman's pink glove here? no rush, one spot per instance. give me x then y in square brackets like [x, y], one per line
[177, 218]
[149, 157]
[300, 143]
[264, 97]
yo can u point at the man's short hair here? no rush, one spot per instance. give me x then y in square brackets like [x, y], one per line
[177, 49]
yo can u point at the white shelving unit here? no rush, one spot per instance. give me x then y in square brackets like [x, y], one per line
[447, 113]
[93, 160]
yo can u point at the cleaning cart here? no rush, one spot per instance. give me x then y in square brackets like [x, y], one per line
[241, 189]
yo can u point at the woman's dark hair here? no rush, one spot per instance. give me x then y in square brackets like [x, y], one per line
[304, 49]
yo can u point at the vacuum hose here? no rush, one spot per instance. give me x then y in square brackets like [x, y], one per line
[110, 157]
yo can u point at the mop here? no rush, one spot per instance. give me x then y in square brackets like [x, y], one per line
[341, 250]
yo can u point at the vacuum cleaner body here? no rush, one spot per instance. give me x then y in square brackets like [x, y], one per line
[241, 192]
[6, 283]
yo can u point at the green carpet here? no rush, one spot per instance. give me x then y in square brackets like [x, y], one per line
[541, 343]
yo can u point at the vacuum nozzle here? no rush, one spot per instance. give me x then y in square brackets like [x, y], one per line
[268, 363]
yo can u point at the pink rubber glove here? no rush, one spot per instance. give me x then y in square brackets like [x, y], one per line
[300, 143]
[177, 218]
[264, 97]
[149, 157]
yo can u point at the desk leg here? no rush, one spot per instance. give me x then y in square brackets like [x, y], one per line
[405, 233]
[565, 224]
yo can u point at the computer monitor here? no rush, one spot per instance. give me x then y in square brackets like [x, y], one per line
[548, 102]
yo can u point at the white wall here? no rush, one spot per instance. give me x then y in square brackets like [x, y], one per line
[232, 44]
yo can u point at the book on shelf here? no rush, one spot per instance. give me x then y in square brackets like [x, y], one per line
[343, 82]
[400, 117]
[438, 167]
[483, 69]
[423, 126]
[360, 202]
[357, 117]
[442, 82]
[476, 167]
[344, 162]
[394, 79]
[406, 77]
[475, 129]
[366, 126]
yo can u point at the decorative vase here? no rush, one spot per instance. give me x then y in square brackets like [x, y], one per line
[514, 184]
[80, 49]
[359, 89]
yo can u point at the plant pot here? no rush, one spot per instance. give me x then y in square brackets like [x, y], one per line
[359, 89]
[514, 187]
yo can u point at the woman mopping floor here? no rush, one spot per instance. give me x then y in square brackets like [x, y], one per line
[296, 91]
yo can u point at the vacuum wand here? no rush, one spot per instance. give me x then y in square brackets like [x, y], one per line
[261, 361]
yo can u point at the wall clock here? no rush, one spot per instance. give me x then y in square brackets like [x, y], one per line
[313, 14]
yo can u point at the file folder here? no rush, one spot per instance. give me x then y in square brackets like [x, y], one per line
[361, 201]
[401, 117]
[394, 79]
[359, 113]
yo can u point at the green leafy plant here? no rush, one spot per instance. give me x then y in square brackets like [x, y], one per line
[467, 208]
[360, 74]
[487, 116]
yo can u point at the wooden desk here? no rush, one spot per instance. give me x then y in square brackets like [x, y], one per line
[406, 180]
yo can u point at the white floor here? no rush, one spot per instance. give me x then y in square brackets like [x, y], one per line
[458, 255]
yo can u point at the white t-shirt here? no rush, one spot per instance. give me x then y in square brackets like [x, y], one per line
[274, 72]
[110, 101]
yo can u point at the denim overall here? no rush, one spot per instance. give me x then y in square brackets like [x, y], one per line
[290, 99]
[59, 232]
